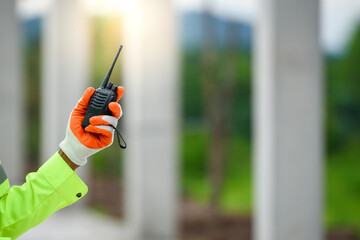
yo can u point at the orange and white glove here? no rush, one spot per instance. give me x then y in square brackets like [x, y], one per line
[80, 143]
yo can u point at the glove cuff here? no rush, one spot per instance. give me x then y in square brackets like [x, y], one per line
[68, 149]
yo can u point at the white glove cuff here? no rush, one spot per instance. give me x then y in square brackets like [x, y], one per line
[72, 154]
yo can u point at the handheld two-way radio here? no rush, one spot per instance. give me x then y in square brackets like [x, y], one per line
[99, 102]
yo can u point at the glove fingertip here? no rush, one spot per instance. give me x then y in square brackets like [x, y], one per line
[95, 120]
[89, 128]
[115, 108]
[120, 92]
[84, 101]
[89, 91]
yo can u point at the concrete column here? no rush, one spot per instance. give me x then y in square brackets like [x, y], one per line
[10, 94]
[151, 113]
[288, 101]
[65, 69]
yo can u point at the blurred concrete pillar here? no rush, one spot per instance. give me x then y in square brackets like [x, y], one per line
[151, 110]
[288, 101]
[10, 94]
[65, 69]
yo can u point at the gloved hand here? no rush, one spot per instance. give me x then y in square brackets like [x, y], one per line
[81, 143]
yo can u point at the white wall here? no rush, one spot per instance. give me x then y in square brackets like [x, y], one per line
[151, 106]
[11, 95]
[288, 130]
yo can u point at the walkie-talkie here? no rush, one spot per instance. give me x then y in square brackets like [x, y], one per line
[100, 100]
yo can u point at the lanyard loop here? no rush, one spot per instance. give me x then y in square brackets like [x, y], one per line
[123, 146]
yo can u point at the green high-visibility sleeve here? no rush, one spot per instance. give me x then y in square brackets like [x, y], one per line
[54, 186]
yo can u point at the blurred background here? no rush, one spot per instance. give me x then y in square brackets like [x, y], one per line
[188, 71]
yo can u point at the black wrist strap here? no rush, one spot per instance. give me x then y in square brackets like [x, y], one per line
[123, 146]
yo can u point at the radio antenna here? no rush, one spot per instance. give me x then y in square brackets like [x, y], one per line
[107, 77]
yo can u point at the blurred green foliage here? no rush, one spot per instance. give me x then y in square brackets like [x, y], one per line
[237, 189]
[343, 98]
[193, 94]
[236, 192]
[343, 136]
[343, 186]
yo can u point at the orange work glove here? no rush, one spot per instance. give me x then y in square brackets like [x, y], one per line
[80, 143]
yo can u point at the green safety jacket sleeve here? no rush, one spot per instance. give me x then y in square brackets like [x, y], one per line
[54, 186]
